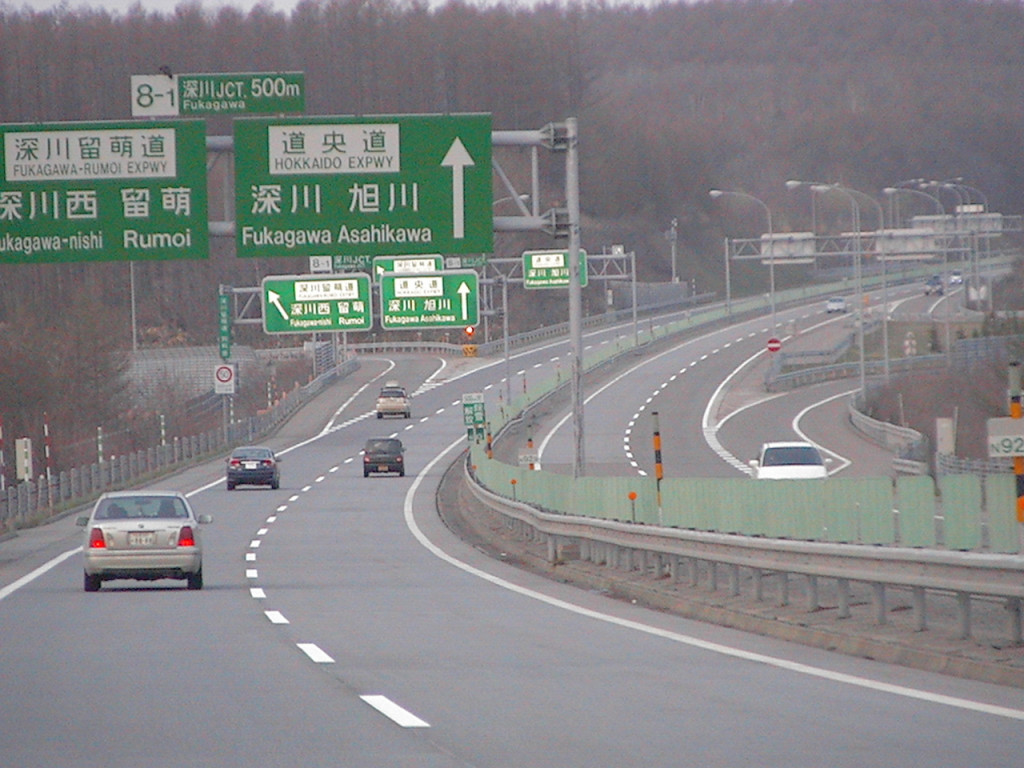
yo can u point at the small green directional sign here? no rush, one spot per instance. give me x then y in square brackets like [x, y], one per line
[224, 325]
[474, 411]
[474, 415]
[219, 93]
[550, 269]
[434, 300]
[308, 303]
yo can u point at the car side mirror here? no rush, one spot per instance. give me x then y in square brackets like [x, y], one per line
[82, 520]
[204, 518]
[753, 463]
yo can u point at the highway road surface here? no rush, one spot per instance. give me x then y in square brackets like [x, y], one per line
[342, 624]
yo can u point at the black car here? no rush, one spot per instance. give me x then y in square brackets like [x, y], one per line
[383, 454]
[253, 465]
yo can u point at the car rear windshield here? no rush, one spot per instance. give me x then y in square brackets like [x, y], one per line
[798, 454]
[141, 508]
[392, 393]
[252, 453]
[383, 446]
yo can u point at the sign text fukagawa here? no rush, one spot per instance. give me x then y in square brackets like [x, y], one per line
[103, 191]
[383, 185]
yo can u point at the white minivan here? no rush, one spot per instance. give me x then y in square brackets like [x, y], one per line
[789, 461]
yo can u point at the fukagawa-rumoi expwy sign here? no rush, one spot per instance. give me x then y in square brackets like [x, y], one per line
[103, 191]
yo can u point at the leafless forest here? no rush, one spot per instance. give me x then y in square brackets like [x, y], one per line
[672, 100]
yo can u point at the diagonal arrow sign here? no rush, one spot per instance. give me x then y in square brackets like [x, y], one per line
[457, 158]
[275, 299]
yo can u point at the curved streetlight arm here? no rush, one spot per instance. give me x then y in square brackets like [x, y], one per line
[717, 193]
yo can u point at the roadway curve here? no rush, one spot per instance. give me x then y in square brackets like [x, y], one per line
[343, 624]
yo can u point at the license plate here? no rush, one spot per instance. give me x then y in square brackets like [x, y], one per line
[382, 467]
[141, 538]
[250, 464]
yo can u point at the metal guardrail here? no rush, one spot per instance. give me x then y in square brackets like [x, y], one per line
[34, 500]
[614, 544]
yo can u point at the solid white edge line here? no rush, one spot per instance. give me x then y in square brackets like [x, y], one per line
[694, 642]
[31, 576]
[393, 712]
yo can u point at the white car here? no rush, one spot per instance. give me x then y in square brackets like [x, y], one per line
[393, 401]
[836, 304]
[956, 277]
[789, 461]
[142, 535]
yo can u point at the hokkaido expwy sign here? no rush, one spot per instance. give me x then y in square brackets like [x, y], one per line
[103, 192]
[384, 185]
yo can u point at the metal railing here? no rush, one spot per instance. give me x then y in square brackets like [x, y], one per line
[618, 543]
[33, 501]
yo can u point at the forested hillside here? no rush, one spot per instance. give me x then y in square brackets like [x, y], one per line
[672, 99]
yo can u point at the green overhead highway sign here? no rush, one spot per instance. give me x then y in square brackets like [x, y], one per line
[550, 269]
[103, 191]
[308, 304]
[382, 185]
[233, 93]
[438, 300]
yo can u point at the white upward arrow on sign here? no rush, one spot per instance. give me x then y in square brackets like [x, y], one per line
[457, 158]
[464, 291]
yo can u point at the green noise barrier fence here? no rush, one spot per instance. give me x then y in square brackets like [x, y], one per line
[963, 513]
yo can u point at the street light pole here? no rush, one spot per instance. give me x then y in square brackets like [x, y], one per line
[885, 285]
[673, 236]
[716, 193]
[857, 265]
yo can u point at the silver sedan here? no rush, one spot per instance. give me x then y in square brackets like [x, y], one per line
[142, 535]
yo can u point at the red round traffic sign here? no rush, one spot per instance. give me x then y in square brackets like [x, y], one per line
[774, 344]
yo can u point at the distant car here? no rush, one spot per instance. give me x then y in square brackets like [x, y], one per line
[393, 401]
[253, 465]
[382, 455]
[836, 304]
[789, 461]
[142, 535]
[956, 277]
[933, 285]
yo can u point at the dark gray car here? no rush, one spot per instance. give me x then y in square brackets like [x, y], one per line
[383, 455]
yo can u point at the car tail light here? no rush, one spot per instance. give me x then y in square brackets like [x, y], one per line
[96, 540]
[235, 463]
[185, 537]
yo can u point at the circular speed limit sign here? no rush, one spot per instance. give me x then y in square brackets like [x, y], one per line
[224, 379]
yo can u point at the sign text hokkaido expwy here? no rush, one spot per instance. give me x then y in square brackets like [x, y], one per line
[297, 238]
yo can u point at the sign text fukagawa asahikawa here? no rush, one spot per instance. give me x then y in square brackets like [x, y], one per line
[103, 191]
[312, 303]
[380, 185]
[440, 300]
[550, 269]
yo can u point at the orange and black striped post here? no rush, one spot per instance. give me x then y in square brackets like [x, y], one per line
[658, 471]
[1015, 413]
